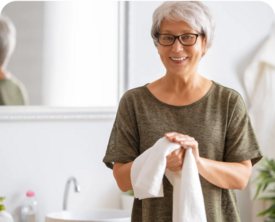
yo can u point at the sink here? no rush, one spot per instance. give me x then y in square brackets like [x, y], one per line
[104, 215]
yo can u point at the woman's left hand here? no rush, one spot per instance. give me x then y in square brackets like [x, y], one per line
[185, 140]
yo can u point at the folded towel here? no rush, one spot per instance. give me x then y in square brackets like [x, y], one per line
[147, 174]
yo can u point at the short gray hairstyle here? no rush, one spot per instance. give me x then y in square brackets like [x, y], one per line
[195, 13]
[7, 38]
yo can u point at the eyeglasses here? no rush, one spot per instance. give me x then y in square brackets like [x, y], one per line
[187, 39]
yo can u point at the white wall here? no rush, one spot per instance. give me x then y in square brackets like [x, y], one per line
[41, 155]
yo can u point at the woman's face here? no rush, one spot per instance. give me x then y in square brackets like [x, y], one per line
[177, 50]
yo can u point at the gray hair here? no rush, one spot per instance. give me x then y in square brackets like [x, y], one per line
[195, 13]
[7, 38]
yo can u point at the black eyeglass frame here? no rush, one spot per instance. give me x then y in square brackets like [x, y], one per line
[178, 37]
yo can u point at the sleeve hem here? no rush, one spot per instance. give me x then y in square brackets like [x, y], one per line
[255, 157]
[108, 160]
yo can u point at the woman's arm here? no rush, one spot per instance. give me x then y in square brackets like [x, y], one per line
[224, 174]
[122, 174]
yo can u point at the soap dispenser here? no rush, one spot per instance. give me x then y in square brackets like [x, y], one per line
[4, 215]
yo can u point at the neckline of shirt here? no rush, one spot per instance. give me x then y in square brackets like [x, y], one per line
[184, 106]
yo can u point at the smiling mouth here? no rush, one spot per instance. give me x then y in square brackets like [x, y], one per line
[178, 59]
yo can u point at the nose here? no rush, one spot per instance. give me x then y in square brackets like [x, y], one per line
[177, 46]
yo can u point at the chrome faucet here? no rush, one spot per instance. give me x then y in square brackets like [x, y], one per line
[76, 189]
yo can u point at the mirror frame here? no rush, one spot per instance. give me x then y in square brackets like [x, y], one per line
[56, 113]
[81, 113]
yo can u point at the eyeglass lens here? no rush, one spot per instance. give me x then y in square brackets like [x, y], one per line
[186, 39]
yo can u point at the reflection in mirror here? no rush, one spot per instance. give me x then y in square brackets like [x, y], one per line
[66, 53]
[12, 90]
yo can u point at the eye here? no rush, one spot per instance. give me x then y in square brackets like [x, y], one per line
[166, 37]
[188, 37]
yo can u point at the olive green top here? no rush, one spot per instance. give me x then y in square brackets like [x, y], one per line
[219, 122]
[12, 92]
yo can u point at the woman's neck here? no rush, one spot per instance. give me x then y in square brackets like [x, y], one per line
[181, 85]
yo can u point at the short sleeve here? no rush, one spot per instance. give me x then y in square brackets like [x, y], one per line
[241, 143]
[123, 145]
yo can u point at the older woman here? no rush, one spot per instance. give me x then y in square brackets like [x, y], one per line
[12, 90]
[190, 110]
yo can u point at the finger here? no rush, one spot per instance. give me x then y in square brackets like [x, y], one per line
[176, 152]
[175, 165]
[192, 144]
[177, 159]
[184, 142]
[169, 134]
[173, 138]
[184, 138]
[188, 142]
[176, 156]
[182, 152]
[179, 151]
[176, 169]
[188, 139]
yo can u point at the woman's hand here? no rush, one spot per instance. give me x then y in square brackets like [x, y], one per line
[175, 159]
[185, 140]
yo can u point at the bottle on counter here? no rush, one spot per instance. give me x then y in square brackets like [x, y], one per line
[29, 210]
[4, 215]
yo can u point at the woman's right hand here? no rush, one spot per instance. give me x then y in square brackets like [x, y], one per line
[175, 160]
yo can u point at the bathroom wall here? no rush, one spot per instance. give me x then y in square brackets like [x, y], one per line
[41, 155]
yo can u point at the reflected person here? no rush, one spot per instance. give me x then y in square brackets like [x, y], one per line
[12, 90]
[188, 109]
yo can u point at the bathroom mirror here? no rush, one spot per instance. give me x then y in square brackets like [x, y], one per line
[67, 53]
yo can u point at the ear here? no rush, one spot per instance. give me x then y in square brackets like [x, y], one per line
[204, 49]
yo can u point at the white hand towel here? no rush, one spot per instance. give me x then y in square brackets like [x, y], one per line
[147, 174]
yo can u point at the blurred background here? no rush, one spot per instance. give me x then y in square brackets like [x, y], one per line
[68, 54]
